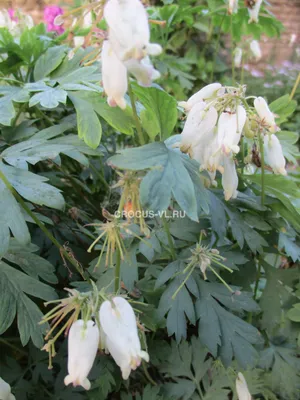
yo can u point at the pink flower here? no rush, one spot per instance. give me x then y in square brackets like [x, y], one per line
[11, 13]
[50, 13]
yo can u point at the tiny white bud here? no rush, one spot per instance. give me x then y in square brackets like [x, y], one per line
[242, 388]
[274, 154]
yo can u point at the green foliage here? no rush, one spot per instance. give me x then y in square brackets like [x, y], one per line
[66, 158]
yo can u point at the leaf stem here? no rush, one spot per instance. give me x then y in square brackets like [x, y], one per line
[295, 87]
[42, 226]
[257, 280]
[217, 50]
[170, 241]
[199, 389]
[135, 115]
[232, 51]
[262, 159]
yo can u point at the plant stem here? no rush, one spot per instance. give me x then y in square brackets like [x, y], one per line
[257, 280]
[217, 50]
[118, 270]
[147, 374]
[262, 160]
[42, 226]
[99, 175]
[295, 87]
[170, 241]
[135, 115]
[199, 389]
[232, 52]
[13, 347]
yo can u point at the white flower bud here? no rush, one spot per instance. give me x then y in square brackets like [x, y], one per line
[233, 6]
[265, 114]
[83, 344]
[143, 71]
[230, 178]
[198, 126]
[58, 20]
[230, 127]
[205, 93]
[255, 49]
[119, 324]
[5, 391]
[238, 56]
[242, 388]
[254, 11]
[114, 77]
[129, 31]
[274, 155]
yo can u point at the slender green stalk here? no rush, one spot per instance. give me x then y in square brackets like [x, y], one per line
[135, 115]
[257, 280]
[118, 270]
[217, 50]
[13, 347]
[295, 87]
[147, 374]
[99, 175]
[232, 52]
[42, 226]
[170, 241]
[199, 389]
[262, 160]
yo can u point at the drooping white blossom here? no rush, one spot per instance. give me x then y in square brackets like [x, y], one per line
[203, 94]
[242, 388]
[142, 70]
[198, 126]
[83, 344]
[119, 324]
[233, 6]
[230, 178]
[5, 391]
[254, 11]
[230, 127]
[238, 56]
[129, 32]
[255, 49]
[274, 154]
[114, 77]
[265, 114]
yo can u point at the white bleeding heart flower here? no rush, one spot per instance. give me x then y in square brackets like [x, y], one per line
[233, 6]
[5, 391]
[230, 127]
[256, 50]
[230, 178]
[208, 154]
[238, 56]
[83, 342]
[114, 77]
[129, 31]
[199, 124]
[274, 154]
[254, 11]
[265, 114]
[119, 325]
[242, 388]
[142, 70]
[204, 94]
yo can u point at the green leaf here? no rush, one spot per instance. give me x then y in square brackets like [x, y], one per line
[283, 107]
[14, 285]
[49, 61]
[11, 219]
[223, 333]
[89, 126]
[169, 175]
[294, 313]
[291, 248]
[180, 307]
[160, 114]
[276, 295]
[32, 187]
[282, 188]
[49, 98]
[288, 142]
[34, 265]
[11, 94]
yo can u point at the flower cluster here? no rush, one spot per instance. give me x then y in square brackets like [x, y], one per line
[115, 330]
[127, 49]
[5, 391]
[216, 118]
[50, 14]
[253, 8]
[15, 21]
